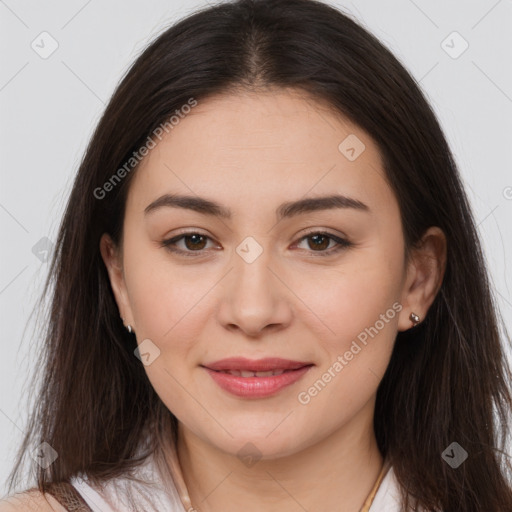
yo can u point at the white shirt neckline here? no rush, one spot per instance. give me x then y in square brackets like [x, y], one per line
[113, 496]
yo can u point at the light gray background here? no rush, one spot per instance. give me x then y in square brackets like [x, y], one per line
[50, 106]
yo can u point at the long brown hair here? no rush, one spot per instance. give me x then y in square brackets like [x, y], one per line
[447, 381]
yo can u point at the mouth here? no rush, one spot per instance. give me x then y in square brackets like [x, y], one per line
[268, 364]
[246, 373]
[256, 378]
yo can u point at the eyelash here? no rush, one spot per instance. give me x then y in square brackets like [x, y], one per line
[342, 244]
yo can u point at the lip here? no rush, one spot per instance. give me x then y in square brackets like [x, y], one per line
[256, 387]
[255, 365]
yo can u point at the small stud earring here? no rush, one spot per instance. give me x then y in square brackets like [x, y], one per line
[415, 319]
[129, 328]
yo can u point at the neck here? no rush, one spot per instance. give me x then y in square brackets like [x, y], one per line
[337, 471]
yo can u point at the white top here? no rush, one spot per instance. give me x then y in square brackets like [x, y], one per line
[113, 496]
[387, 498]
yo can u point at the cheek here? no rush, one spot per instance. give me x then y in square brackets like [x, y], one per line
[168, 311]
[171, 307]
[351, 298]
[165, 299]
[363, 315]
[358, 303]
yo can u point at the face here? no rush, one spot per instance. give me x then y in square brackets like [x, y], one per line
[323, 286]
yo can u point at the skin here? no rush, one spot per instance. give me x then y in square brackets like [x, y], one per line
[31, 501]
[251, 152]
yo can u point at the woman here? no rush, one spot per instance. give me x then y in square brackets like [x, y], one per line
[331, 345]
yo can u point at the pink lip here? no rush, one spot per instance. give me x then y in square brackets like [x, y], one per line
[256, 387]
[256, 365]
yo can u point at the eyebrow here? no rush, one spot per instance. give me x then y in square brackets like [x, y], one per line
[285, 210]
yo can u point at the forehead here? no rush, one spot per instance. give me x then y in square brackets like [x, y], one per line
[248, 148]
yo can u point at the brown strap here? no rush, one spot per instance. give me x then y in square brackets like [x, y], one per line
[68, 496]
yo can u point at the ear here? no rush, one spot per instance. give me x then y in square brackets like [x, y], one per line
[112, 258]
[425, 272]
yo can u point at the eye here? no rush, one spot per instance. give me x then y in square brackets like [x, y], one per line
[322, 240]
[195, 243]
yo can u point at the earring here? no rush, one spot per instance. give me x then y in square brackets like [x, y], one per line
[129, 328]
[415, 319]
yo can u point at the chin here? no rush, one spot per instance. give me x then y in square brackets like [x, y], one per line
[259, 444]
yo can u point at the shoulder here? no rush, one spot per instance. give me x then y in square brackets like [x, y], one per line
[31, 500]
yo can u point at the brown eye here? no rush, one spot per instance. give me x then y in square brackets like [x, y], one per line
[193, 243]
[319, 242]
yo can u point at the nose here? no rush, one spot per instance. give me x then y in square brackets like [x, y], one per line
[254, 298]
